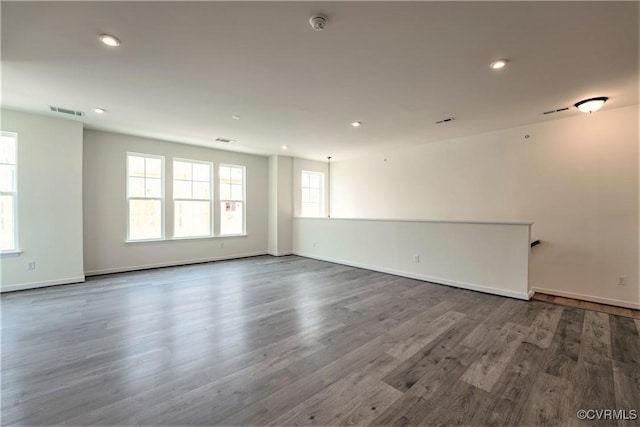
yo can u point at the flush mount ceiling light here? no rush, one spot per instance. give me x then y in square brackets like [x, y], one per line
[356, 124]
[284, 147]
[592, 104]
[235, 117]
[500, 63]
[109, 40]
[99, 110]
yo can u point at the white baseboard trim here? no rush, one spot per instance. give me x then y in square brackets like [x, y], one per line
[169, 264]
[601, 300]
[44, 284]
[279, 253]
[438, 280]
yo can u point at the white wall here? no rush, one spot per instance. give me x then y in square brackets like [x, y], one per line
[575, 178]
[487, 257]
[105, 206]
[49, 202]
[280, 205]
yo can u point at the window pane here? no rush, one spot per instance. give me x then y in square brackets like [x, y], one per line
[192, 218]
[236, 175]
[305, 195]
[236, 192]
[7, 178]
[154, 167]
[153, 188]
[136, 166]
[314, 196]
[7, 149]
[231, 218]
[314, 180]
[201, 172]
[225, 174]
[136, 187]
[145, 219]
[225, 192]
[305, 179]
[181, 189]
[7, 224]
[311, 210]
[181, 170]
[201, 190]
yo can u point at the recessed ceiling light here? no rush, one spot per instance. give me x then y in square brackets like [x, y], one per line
[500, 63]
[284, 147]
[356, 124]
[99, 110]
[592, 104]
[109, 40]
[235, 117]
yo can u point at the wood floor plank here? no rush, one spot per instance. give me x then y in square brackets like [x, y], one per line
[282, 339]
[407, 342]
[624, 340]
[596, 388]
[510, 395]
[418, 365]
[595, 347]
[565, 347]
[544, 326]
[549, 402]
[626, 379]
[485, 372]
[335, 402]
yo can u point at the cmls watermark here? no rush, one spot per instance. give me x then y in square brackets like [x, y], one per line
[607, 414]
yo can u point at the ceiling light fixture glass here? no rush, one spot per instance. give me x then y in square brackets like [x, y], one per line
[356, 124]
[99, 110]
[592, 104]
[109, 40]
[500, 63]
[235, 117]
[284, 147]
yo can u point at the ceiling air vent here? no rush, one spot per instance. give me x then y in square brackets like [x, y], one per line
[448, 119]
[66, 111]
[555, 111]
[225, 140]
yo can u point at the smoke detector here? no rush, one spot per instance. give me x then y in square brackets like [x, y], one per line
[318, 22]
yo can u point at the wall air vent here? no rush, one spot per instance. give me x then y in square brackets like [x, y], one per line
[555, 111]
[66, 111]
[448, 119]
[225, 140]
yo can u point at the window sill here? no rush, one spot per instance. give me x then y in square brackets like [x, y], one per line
[7, 254]
[182, 239]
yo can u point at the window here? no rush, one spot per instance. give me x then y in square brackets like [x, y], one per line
[191, 198]
[312, 193]
[231, 200]
[145, 194]
[8, 192]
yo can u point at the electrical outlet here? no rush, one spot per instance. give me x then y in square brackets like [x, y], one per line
[31, 265]
[416, 258]
[622, 280]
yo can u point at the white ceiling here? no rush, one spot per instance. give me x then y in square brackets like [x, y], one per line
[184, 69]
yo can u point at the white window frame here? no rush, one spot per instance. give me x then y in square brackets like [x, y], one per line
[243, 201]
[210, 200]
[16, 243]
[321, 209]
[162, 197]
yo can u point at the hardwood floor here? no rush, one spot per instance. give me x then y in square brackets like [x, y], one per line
[295, 341]
[604, 308]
